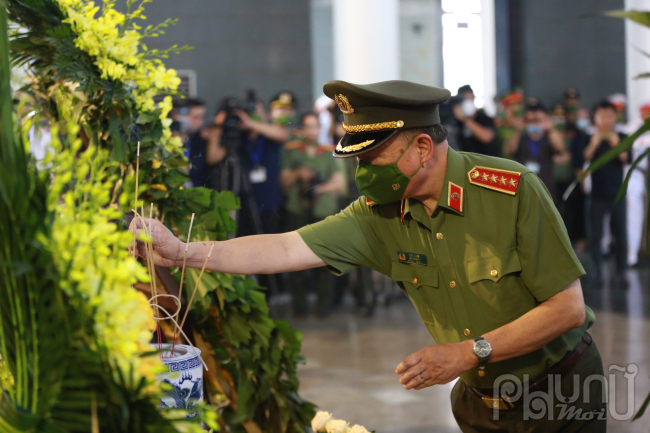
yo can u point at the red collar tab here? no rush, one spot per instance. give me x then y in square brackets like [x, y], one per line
[455, 197]
[498, 180]
[369, 202]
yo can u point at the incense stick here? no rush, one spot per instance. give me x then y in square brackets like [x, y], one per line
[180, 290]
[135, 199]
[196, 286]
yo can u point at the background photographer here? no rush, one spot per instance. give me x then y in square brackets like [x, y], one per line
[250, 140]
[313, 181]
[476, 131]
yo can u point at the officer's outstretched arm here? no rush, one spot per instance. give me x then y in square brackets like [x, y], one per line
[262, 254]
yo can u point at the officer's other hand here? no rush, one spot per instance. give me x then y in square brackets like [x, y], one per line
[436, 365]
[167, 249]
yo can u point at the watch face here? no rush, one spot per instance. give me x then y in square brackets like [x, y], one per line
[482, 349]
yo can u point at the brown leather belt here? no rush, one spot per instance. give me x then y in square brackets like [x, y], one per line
[562, 368]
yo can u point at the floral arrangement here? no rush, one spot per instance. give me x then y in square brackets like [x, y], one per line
[92, 255]
[87, 65]
[324, 422]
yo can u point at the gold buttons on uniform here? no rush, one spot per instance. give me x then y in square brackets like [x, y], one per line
[415, 280]
[466, 332]
[438, 236]
[494, 272]
[452, 284]
[482, 373]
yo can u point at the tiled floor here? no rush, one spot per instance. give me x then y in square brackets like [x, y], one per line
[351, 361]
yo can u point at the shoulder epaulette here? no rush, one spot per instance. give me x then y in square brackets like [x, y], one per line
[492, 178]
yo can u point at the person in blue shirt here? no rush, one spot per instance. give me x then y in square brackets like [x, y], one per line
[259, 153]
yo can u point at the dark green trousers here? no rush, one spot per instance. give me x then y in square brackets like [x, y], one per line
[582, 413]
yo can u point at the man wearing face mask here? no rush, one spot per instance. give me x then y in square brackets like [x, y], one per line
[476, 130]
[474, 241]
[537, 145]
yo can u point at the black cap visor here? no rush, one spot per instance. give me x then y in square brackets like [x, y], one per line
[362, 142]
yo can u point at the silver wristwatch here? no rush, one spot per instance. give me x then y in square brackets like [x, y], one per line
[483, 351]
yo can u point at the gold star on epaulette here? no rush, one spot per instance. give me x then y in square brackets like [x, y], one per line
[513, 183]
[485, 177]
[502, 181]
[494, 179]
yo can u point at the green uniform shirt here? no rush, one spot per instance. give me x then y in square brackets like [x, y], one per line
[467, 272]
[317, 159]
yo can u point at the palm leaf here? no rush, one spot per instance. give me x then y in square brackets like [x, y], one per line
[639, 17]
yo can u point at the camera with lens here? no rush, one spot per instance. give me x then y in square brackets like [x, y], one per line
[232, 136]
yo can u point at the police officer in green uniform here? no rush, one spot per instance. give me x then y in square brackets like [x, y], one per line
[477, 245]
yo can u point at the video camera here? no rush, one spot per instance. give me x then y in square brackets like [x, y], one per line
[232, 136]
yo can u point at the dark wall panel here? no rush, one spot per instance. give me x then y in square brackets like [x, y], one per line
[239, 44]
[553, 47]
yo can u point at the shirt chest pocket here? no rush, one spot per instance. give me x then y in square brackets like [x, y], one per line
[495, 280]
[421, 285]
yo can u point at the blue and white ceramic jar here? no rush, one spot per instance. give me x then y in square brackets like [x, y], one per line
[184, 376]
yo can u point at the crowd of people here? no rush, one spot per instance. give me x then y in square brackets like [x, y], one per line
[279, 163]
[558, 144]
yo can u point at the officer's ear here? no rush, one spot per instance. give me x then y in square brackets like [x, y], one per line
[425, 147]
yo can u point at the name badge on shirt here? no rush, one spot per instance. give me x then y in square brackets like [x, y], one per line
[258, 175]
[412, 258]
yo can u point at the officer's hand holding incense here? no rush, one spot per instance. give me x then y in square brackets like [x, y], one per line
[262, 254]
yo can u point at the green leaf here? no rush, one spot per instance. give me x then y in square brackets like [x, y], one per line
[642, 409]
[640, 17]
[623, 189]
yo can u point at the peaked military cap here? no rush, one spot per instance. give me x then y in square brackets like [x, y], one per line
[375, 112]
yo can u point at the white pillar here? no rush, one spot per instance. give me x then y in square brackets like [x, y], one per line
[636, 36]
[366, 40]
[489, 56]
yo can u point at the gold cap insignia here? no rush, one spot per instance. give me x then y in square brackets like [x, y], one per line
[344, 104]
[353, 147]
[396, 186]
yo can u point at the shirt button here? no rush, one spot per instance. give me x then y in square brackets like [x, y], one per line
[415, 280]
[466, 332]
[438, 236]
[452, 284]
[494, 272]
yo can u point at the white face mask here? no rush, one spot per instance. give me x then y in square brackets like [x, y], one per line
[468, 108]
[582, 123]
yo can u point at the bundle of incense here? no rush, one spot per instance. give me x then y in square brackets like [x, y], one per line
[160, 313]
